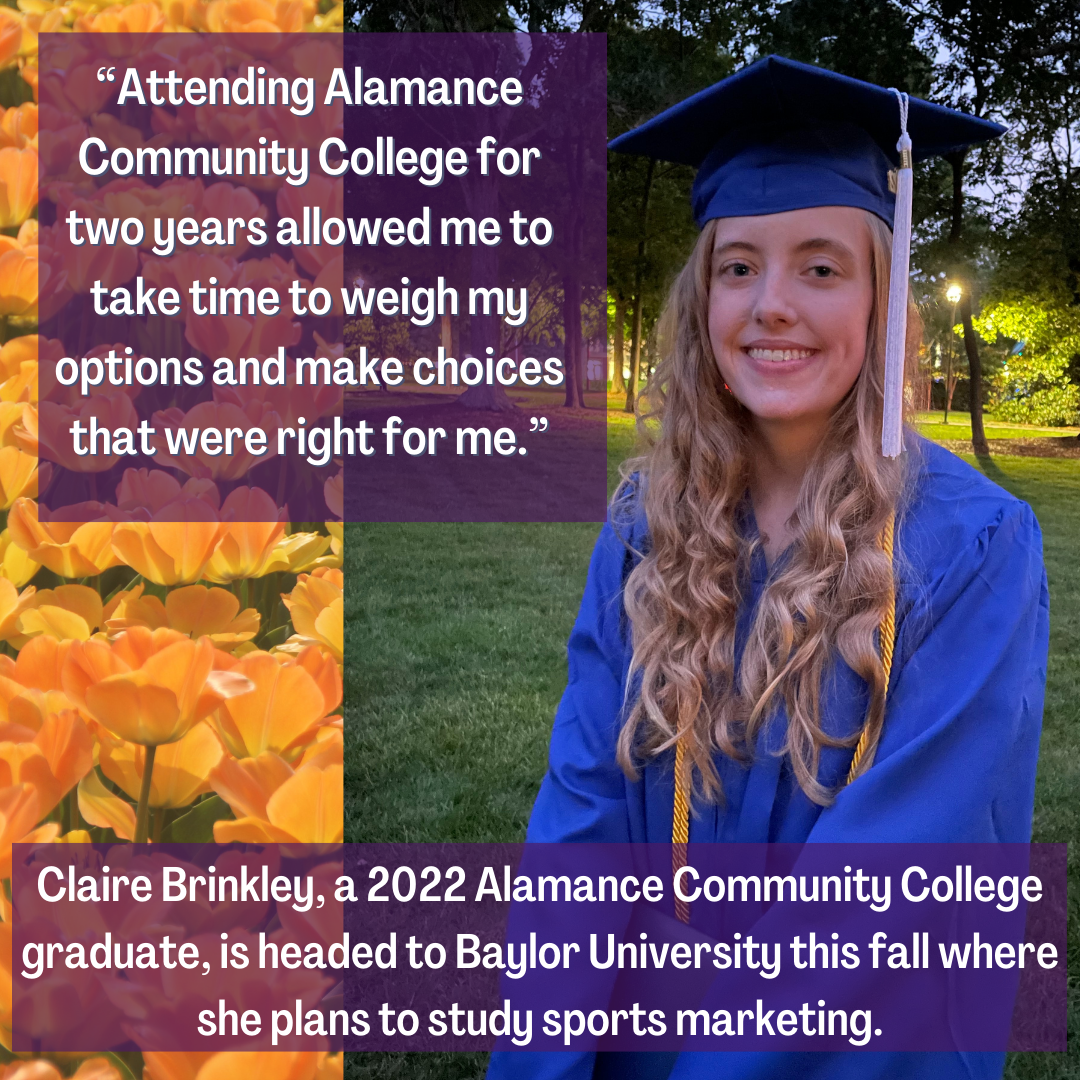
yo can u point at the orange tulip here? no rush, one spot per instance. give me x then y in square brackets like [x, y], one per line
[228, 1065]
[22, 277]
[247, 785]
[135, 19]
[68, 548]
[255, 16]
[97, 1068]
[19, 810]
[38, 666]
[112, 410]
[19, 126]
[173, 551]
[194, 610]
[149, 686]
[220, 415]
[282, 713]
[308, 809]
[87, 263]
[151, 490]
[18, 185]
[181, 769]
[54, 761]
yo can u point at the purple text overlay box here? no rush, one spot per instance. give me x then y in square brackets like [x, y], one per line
[323, 278]
[539, 947]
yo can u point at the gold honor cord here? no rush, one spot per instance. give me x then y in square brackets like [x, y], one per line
[680, 826]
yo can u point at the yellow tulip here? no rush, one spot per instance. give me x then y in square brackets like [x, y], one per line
[300, 553]
[317, 606]
[68, 548]
[18, 474]
[101, 808]
[334, 493]
[307, 809]
[12, 604]
[170, 552]
[283, 712]
[15, 564]
[149, 686]
[181, 769]
[68, 611]
[253, 527]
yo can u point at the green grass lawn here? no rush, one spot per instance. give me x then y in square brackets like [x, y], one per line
[931, 425]
[455, 660]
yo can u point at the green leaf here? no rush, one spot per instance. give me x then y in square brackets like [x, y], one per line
[197, 825]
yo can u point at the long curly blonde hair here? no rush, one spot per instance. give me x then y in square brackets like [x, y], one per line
[685, 594]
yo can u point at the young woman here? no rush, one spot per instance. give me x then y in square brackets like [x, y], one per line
[807, 640]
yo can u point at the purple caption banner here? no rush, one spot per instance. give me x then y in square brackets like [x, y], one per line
[322, 278]
[539, 947]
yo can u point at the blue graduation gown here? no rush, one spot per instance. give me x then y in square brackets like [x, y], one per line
[956, 761]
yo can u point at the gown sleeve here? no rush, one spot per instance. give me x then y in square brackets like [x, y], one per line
[958, 754]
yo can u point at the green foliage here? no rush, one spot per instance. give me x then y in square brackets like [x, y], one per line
[1034, 384]
[197, 825]
[1056, 406]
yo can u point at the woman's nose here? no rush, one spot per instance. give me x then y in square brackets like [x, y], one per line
[773, 303]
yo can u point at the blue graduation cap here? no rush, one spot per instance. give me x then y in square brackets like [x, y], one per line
[780, 135]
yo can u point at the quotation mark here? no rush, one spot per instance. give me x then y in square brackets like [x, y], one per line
[538, 423]
[106, 74]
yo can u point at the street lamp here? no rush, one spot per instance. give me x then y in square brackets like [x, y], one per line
[952, 294]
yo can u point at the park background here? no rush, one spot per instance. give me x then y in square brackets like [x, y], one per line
[455, 633]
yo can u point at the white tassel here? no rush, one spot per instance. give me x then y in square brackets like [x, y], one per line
[892, 421]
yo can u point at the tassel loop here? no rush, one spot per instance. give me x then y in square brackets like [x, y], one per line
[892, 422]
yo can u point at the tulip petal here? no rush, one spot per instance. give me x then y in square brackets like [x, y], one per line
[102, 808]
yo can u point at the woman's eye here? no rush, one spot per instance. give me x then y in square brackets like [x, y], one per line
[737, 269]
[821, 271]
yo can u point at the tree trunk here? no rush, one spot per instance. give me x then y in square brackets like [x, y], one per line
[635, 351]
[971, 342]
[573, 399]
[639, 270]
[618, 379]
[971, 347]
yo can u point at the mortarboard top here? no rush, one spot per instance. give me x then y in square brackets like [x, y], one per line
[780, 135]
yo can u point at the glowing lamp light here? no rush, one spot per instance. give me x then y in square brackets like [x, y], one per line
[953, 294]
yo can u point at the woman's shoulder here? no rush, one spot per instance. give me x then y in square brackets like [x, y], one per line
[953, 513]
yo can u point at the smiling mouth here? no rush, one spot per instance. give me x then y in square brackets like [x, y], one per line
[778, 356]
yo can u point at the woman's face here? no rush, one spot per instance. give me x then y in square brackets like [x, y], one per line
[789, 307]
